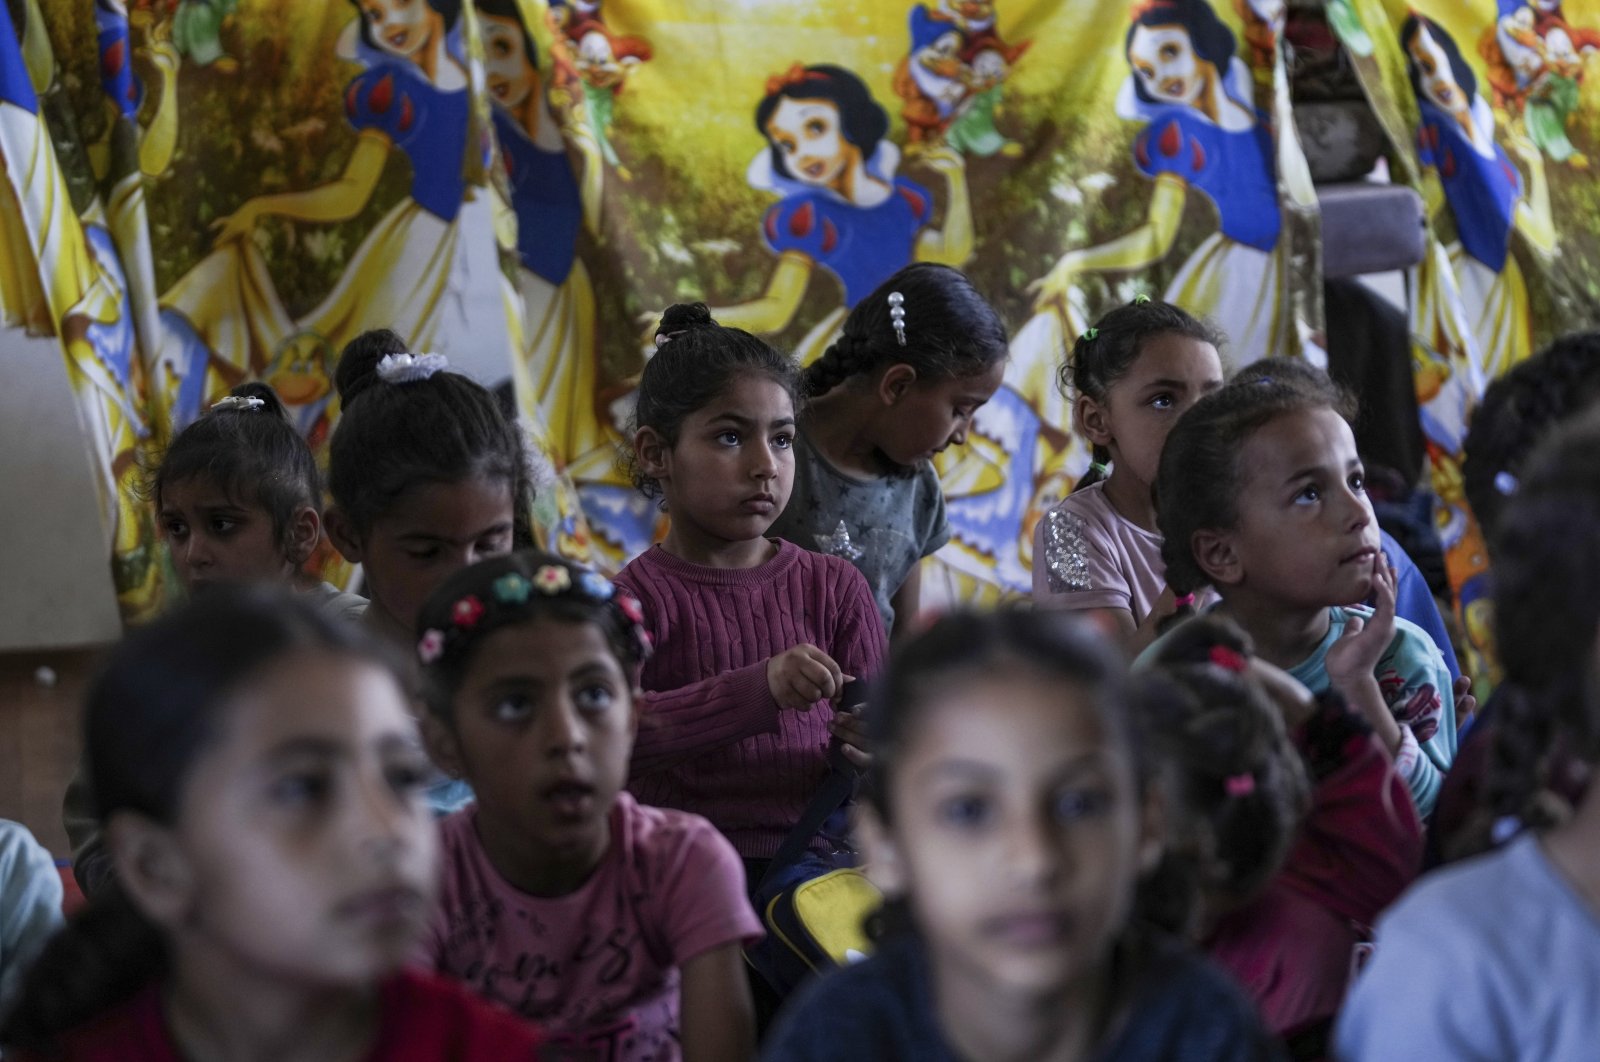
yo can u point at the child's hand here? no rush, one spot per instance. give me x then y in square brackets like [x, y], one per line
[849, 725]
[1466, 703]
[802, 676]
[1353, 657]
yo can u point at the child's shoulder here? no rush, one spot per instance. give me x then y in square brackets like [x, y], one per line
[425, 1016]
[1411, 645]
[880, 1007]
[1184, 1007]
[667, 833]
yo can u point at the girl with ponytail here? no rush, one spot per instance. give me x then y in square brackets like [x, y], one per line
[916, 359]
[258, 776]
[1288, 827]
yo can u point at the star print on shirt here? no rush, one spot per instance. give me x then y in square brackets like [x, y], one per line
[839, 544]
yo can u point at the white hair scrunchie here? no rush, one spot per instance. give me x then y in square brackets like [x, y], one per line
[244, 403]
[409, 368]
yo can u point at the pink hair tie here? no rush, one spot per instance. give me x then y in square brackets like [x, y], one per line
[1229, 659]
[1186, 601]
[1240, 785]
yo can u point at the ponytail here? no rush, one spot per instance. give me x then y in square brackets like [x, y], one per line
[104, 955]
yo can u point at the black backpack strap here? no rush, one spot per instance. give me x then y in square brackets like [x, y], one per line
[837, 788]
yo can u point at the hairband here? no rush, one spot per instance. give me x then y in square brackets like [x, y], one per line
[409, 368]
[511, 592]
[1140, 299]
[239, 403]
[897, 315]
[1184, 600]
[663, 338]
[795, 75]
[1239, 785]
[1504, 482]
[1090, 335]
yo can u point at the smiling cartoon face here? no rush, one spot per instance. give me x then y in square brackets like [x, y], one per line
[597, 61]
[1438, 80]
[943, 57]
[808, 136]
[1164, 61]
[512, 78]
[401, 27]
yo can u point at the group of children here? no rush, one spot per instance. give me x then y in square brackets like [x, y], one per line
[503, 806]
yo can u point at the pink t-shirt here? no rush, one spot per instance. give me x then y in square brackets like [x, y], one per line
[1087, 555]
[597, 969]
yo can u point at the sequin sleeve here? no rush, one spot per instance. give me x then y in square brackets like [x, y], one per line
[1072, 566]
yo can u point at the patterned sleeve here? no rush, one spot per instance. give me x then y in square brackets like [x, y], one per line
[1417, 687]
[377, 99]
[1072, 568]
[1168, 146]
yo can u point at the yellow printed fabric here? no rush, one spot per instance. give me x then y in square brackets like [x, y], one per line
[1491, 115]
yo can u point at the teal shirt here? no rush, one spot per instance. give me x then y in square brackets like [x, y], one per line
[1416, 685]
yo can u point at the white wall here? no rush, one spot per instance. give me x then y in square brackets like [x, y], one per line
[55, 568]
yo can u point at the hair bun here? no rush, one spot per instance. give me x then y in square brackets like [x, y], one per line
[358, 364]
[682, 316]
[272, 404]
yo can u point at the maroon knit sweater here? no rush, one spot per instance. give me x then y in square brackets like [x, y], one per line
[711, 738]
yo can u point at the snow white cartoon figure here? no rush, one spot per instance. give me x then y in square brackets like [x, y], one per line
[408, 273]
[842, 205]
[557, 369]
[1201, 132]
[1484, 191]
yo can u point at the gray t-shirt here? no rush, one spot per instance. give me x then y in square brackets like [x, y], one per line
[882, 526]
[1495, 959]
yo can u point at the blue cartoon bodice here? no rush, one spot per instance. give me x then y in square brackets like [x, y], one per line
[1482, 191]
[544, 195]
[14, 84]
[1233, 169]
[116, 61]
[862, 246]
[429, 125]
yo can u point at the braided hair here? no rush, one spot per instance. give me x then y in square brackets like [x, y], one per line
[1239, 785]
[950, 330]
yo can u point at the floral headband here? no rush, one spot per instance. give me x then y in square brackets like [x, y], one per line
[510, 594]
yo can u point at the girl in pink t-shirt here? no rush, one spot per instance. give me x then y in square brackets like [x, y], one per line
[618, 927]
[1289, 828]
[1129, 378]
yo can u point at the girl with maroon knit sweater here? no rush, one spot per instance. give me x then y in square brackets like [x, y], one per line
[755, 638]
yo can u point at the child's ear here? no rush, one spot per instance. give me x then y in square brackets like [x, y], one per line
[443, 748]
[151, 867]
[880, 855]
[305, 528]
[896, 382]
[1216, 555]
[342, 533]
[653, 453]
[1090, 417]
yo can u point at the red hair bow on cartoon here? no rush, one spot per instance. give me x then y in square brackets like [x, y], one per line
[1143, 7]
[795, 75]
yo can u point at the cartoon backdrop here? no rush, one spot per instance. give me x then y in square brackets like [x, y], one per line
[1493, 120]
[200, 191]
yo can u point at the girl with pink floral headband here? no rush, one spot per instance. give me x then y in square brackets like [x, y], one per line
[618, 927]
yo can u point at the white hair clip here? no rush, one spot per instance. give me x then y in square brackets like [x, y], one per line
[409, 368]
[241, 403]
[663, 338]
[897, 315]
